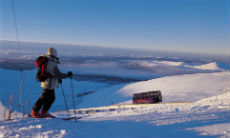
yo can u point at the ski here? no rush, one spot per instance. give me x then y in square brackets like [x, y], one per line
[68, 118]
[10, 119]
[71, 118]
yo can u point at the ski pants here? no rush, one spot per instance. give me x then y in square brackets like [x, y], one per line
[45, 101]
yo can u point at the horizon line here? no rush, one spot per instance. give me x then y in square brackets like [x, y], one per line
[109, 47]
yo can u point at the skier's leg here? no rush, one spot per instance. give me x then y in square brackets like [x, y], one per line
[46, 106]
[50, 97]
[38, 104]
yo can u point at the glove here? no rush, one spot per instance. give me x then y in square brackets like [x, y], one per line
[60, 81]
[70, 74]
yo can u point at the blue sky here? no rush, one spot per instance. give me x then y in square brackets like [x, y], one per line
[200, 26]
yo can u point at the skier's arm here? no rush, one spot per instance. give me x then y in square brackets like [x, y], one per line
[58, 74]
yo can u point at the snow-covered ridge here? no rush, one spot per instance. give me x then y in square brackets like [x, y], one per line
[184, 88]
[209, 66]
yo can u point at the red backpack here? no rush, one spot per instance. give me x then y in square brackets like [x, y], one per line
[41, 64]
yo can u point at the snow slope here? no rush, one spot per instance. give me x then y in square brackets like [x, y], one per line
[178, 88]
[219, 103]
[182, 88]
[207, 115]
[213, 110]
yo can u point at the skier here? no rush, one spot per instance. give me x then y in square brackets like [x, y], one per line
[48, 94]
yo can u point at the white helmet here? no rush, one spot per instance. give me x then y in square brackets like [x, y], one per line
[52, 52]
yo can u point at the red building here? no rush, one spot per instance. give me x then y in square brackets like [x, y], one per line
[147, 97]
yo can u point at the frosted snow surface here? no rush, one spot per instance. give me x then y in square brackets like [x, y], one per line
[214, 130]
[207, 115]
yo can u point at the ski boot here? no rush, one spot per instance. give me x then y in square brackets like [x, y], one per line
[35, 114]
[45, 114]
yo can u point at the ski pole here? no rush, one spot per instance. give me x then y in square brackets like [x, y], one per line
[74, 105]
[65, 101]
